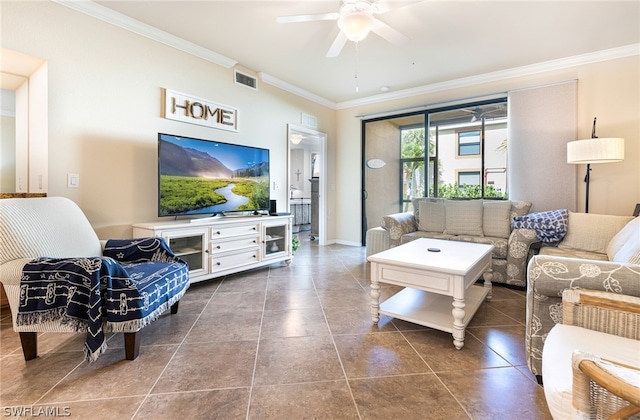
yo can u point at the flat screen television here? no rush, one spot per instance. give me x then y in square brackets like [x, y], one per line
[197, 176]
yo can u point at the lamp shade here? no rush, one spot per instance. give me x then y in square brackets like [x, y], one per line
[597, 150]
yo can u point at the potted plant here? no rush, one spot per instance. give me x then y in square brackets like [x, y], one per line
[295, 244]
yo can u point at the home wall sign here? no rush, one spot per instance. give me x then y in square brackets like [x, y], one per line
[190, 109]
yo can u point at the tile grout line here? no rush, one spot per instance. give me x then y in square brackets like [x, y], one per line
[146, 396]
[335, 346]
[255, 359]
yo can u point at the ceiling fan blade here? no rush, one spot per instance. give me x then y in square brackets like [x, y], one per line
[308, 18]
[388, 33]
[383, 6]
[338, 45]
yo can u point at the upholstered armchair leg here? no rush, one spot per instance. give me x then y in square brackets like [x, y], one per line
[29, 341]
[174, 308]
[131, 345]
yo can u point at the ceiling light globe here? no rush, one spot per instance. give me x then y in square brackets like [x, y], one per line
[356, 25]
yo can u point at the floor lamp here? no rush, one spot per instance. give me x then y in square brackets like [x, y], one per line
[594, 150]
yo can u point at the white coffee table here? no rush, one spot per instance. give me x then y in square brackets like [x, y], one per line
[433, 282]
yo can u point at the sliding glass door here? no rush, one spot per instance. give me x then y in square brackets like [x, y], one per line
[458, 151]
[389, 180]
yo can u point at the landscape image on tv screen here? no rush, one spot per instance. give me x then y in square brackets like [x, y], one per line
[198, 176]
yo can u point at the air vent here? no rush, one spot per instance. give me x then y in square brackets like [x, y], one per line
[308, 120]
[246, 80]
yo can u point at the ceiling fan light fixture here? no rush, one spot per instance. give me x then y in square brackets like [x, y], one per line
[356, 25]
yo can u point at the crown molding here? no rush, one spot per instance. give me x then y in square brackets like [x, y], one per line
[281, 84]
[545, 66]
[576, 60]
[107, 15]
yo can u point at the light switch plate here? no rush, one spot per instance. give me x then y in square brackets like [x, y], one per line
[73, 180]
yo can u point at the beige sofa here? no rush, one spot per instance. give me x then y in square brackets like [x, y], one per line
[599, 252]
[480, 221]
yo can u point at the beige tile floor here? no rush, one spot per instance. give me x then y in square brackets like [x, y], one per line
[285, 342]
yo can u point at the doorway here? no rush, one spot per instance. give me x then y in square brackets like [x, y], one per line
[306, 181]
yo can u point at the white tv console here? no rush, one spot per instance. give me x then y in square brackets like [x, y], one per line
[219, 246]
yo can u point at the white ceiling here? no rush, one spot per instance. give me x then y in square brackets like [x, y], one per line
[449, 40]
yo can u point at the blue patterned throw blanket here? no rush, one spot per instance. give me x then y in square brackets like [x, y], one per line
[550, 226]
[134, 282]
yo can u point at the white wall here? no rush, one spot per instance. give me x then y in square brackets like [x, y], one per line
[105, 110]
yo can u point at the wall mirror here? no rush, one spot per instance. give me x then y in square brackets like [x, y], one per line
[24, 121]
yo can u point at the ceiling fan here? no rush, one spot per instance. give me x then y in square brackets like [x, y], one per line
[355, 20]
[487, 111]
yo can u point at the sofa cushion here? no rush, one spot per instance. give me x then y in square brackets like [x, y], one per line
[629, 253]
[630, 232]
[520, 208]
[500, 245]
[423, 234]
[496, 219]
[431, 215]
[398, 224]
[464, 217]
[549, 226]
[555, 251]
[592, 232]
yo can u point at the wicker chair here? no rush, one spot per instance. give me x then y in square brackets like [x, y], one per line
[603, 377]
[604, 389]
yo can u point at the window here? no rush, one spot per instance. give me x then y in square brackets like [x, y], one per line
[412, 157]
[467, 178]
[468, 143]
[470, 159]
[453, 151]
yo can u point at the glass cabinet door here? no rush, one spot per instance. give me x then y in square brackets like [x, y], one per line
[275, 239]
[191, 247]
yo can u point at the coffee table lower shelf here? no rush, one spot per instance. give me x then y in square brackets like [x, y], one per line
[430, 309]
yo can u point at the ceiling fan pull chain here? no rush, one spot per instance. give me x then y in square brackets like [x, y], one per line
[356, 75]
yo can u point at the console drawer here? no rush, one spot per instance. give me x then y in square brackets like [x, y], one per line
[234, 244]
[219, 232]
[228, 261]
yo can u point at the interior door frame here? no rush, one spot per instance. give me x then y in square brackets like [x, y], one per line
[293, 129]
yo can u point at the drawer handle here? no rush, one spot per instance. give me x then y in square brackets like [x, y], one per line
[218, 263]
[254, 241]
[217, 232]
[218, 247]
[254, 228]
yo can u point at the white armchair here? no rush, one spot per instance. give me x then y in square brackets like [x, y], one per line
[147, 278]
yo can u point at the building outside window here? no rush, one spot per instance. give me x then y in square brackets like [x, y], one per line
[468, 178]
[468, 143]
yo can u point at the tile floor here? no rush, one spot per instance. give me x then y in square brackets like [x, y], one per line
[284, 342]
